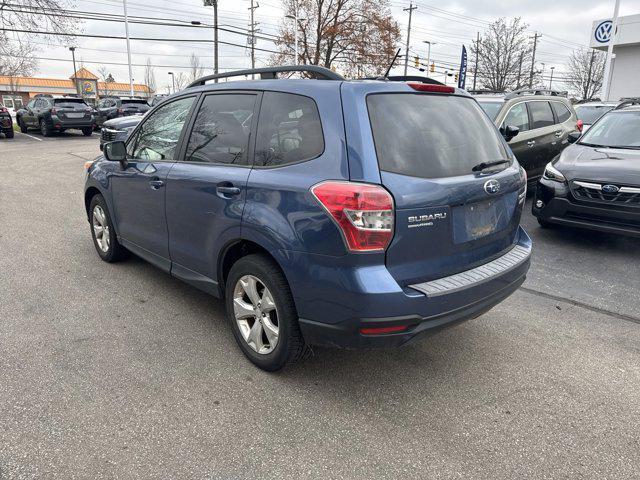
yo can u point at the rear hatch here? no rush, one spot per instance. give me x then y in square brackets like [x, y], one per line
[72, 109]
[449, 216]
[133, 107]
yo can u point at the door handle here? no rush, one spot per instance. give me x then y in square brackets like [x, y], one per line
[227, 190]
[559, 134]
[531, 143]
[156, 184]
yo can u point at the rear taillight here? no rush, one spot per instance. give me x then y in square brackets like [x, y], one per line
[363, 212]
[580, 125]
[54, 111]
[383, 330]
[120, 111]
[427, 87]
[3, 110]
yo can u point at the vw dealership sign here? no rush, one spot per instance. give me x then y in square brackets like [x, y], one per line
[603, 31]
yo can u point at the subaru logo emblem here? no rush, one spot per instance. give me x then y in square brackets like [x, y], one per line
[492, 187]
[610, 189]
[604, 31]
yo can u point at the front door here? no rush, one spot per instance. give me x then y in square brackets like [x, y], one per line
[139, 187]
[206, 189]
[523, 144]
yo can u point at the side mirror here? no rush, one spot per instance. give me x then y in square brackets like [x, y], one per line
[115, 151]
[509, 132]
[574, 137]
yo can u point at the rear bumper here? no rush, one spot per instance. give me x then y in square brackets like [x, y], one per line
[381, 305]
[559, 209]
[73, 123]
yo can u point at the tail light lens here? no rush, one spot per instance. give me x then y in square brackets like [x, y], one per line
[427, 87]
[363, 212]
[54, 111]
[580, 125]
[120, 111]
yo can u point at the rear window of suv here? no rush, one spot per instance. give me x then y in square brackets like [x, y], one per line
[69, 102]
[432, 136]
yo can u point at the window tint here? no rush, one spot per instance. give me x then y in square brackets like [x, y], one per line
[562, 112]
[289, 130]
[221, 130]
[158, 136]
[517, 117]
[432, 136]
[541, 114]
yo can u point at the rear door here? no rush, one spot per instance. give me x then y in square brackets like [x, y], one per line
[449, 218]
[206, 190]
[543, 130]
[565, 124]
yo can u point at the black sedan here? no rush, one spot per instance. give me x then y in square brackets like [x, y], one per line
[595, 183]
[6, 122]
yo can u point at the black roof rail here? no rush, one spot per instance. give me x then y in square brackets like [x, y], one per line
[271, 73]
[535, 91]
[627, 102]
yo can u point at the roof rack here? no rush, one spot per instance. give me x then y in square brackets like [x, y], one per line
[627, 102]
[535, 91]
[271, 73]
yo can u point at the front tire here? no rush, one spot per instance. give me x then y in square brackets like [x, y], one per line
[544, 223]
[9, 133]
[104, 235]
[23, 127]
[87, 132]
[262, 313]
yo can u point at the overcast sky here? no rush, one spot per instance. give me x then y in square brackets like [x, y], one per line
[564, 25]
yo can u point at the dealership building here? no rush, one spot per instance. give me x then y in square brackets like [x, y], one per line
[625, 65]
[17, 91]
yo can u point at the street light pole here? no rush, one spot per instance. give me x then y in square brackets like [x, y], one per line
[551, 80]
[173, 80]
[606, 83]
[428, 42]
[126, 30]
[75, 71]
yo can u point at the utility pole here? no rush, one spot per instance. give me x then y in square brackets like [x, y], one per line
[73, 55]
[551, 80]
[252, 36]
[126, 30]
[214, 4]
[173, 80]
[585, 89]
[606, 81]
[475, 69]
[520, 70]
[536, 36]
[406, 54]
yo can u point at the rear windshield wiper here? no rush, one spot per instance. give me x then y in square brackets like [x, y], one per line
[481, 166]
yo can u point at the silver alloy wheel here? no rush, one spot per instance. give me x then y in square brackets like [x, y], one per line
[101, 228]
[256, 314]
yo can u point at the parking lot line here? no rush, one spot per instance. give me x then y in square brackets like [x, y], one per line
[30, 136]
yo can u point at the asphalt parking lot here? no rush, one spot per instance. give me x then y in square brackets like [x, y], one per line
[120, 371]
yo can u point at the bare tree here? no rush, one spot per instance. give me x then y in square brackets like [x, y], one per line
[504, 56]
[181, 80]
[16, 60]
[150, 76]
[354, 36]
[585, 72]
[106, 79]
[196, 69]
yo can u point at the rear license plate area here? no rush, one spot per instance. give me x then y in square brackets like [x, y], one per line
[480, 219]
[75, 115]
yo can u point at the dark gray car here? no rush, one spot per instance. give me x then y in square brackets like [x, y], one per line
[118, 129]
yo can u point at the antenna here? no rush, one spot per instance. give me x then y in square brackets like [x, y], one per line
[386, 75]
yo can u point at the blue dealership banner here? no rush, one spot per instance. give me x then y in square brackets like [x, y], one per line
[463, 68]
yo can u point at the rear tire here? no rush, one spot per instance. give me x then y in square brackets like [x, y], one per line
[87, 132]
[23, 127]
[262, 314]
[45, 129]
[104, 235]
[9, 133]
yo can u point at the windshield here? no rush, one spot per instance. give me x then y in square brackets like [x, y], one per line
[70, 102]
[589, 114]
[616, 129]
[491, 108]
[432, 136]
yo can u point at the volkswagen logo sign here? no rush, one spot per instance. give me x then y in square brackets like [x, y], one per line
[610, 189]
[492, 187]
[604, 31]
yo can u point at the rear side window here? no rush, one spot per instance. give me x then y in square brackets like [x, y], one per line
[541, 114]
[221, 130]
[289, 130]
[562, 112]
[432, 136]
[517, 117]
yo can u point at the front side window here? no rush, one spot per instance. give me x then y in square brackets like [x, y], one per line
[541, 114]
[158, 136]
[517, 117]
[221, 130]
[562, 112]
[289, 130]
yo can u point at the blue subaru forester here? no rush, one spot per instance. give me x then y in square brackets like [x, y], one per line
[360, 213]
